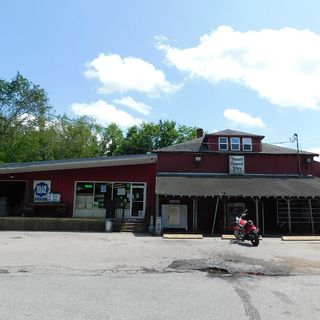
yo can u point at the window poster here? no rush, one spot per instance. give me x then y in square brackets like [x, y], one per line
[121, 191]
[103, 188]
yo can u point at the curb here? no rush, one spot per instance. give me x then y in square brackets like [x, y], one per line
[182, 236]
[300, 238]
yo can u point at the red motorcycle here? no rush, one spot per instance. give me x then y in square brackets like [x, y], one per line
[246, 230]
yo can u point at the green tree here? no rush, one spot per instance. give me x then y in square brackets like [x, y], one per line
[75, 138]
[20, 99]
[148, 137]
[112, 140]
[24, 110]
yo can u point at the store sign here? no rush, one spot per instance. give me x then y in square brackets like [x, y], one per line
[236, 164]
[41, 190]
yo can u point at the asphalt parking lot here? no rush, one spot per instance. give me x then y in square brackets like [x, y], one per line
[60, 275]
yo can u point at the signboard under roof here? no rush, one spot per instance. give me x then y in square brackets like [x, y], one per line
[236, 165]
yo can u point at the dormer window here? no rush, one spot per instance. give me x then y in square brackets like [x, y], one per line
[223, 143]
[247, 144]
[235, 143]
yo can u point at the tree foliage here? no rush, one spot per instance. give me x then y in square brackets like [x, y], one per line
[29, 131]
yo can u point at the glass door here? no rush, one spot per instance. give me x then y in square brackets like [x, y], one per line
[138, 201]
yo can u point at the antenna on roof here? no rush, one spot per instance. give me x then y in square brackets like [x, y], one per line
[296, 139]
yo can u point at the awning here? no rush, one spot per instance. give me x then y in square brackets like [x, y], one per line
[238, 186]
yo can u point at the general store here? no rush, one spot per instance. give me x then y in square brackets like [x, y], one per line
[198, 186]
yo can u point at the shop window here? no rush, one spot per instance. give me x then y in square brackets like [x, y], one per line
[121, 195]
[102, 195]
[223, 143]
[84, 195]
[247, 144]
[235, 144]
[110, 199]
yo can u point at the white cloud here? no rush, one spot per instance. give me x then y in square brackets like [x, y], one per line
[242, 118]
[282, 66]
[316, 150]
[134, 105]
[121, 75]
[105, 113]
[26, 118]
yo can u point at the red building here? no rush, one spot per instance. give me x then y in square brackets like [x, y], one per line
[196, 186]
[116, 187]
[202, 184]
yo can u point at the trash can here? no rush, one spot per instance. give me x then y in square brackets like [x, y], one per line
[109, 225]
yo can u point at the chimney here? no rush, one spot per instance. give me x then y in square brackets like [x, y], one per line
[199, 132]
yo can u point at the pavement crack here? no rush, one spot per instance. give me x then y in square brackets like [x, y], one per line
[250, 310]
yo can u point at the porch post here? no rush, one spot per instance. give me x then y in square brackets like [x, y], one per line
[289, 215]
[257, 211]
[157, 207]
[311, 216]
[215, 216]
[195, 213]
[225, 215]
[262, 213]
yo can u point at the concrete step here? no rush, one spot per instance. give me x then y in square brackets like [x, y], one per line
[133, 227]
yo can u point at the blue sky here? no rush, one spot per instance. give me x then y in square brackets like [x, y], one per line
[253, 66]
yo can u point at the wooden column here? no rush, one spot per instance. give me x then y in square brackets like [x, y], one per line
[289, 215]
[262, 213]
[225, 215]
[256, 200]
[215, 216]
[157, 207]
[311, 216]
[195, 213]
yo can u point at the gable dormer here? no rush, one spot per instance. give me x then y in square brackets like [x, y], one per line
[233, 141]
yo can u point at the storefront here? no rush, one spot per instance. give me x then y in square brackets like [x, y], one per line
[203, 184]
[120, 188]
[277, 205]
[121, 200]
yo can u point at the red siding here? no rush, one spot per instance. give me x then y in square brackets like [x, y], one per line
[219, 163]
[62, 181]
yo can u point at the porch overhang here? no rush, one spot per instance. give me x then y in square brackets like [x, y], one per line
[240, 186]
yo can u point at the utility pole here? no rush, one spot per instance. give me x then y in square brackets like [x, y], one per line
[296, 139]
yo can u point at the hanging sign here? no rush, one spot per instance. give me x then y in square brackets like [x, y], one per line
[41, 190]
[236, 165]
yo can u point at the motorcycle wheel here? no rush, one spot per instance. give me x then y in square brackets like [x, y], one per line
[237, 234]
[255, 239]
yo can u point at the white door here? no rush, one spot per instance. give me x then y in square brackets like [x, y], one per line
[138, 203]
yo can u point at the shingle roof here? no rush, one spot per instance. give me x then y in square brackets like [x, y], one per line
[237, 186]
[196, 146]
[229, 132]
[77, 163]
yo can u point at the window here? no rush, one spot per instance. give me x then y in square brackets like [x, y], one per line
[223, 143]
[110, 199]
[247, 144]
[235, 144]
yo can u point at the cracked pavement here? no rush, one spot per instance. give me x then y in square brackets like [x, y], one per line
[57, 275]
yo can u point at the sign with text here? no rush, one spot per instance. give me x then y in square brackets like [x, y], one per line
[41, 190]
[236, 165]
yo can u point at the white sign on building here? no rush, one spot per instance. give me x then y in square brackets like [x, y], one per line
[41, 190]
[236, 165]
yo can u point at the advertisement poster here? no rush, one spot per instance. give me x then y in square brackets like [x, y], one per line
[41, 190]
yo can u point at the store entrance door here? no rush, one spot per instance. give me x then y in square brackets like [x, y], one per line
[12, 194]
[138, 195]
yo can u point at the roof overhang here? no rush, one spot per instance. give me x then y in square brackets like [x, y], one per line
[238, 186]
[77, 163]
